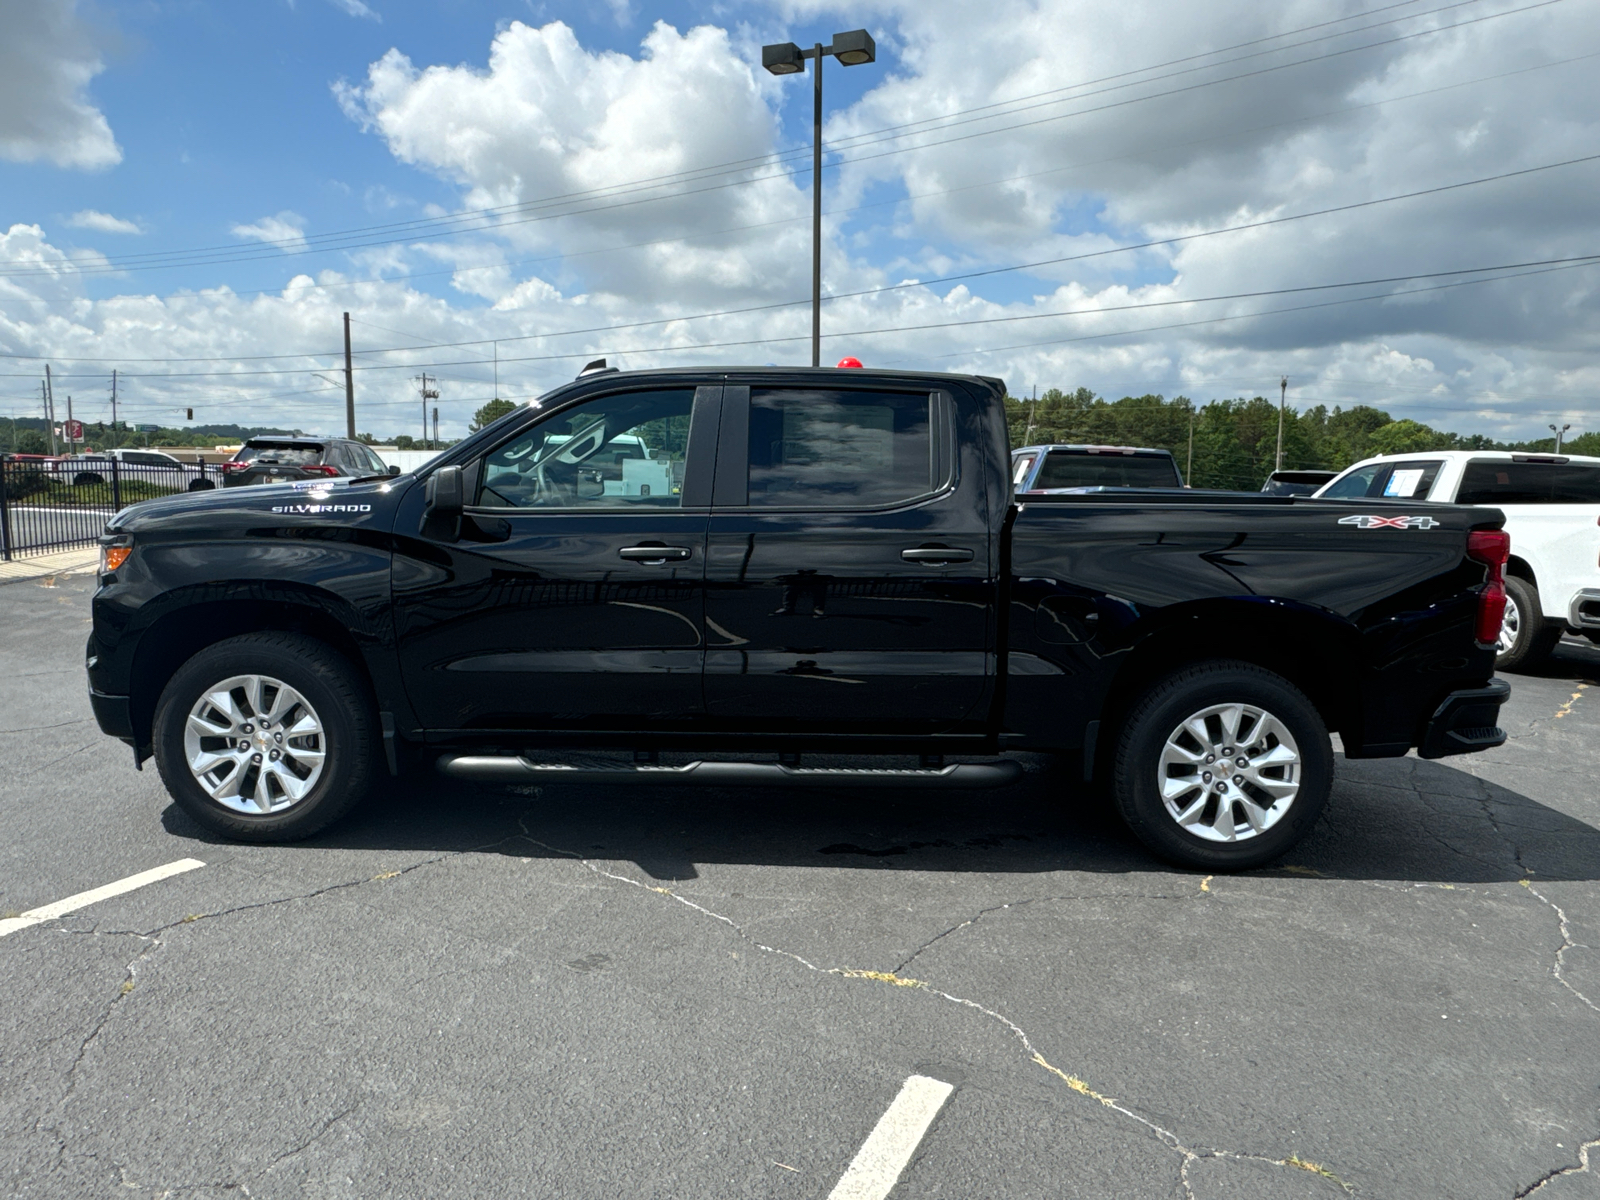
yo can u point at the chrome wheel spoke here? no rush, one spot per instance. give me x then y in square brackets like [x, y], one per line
[241, 755]
[1234, 796]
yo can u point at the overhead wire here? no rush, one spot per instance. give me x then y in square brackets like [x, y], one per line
[233, 254]
[681, 176]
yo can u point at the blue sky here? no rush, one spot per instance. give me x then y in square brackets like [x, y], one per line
[227, 117]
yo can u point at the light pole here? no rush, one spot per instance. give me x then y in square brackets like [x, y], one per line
[1559, 434]
[851, 49]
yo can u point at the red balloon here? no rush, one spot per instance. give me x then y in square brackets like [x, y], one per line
[849, 361]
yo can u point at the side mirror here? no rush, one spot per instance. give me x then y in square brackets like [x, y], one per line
[444, 495]
[444, 503]
[393, 469]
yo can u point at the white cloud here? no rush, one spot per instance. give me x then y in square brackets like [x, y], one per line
[46, 63]
[102, 222]
[286, 231]
[356, 8]
[546, 117]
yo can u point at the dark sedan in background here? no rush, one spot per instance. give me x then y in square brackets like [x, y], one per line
[292, 459]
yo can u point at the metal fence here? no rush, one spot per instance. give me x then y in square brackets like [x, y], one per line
[54, 504]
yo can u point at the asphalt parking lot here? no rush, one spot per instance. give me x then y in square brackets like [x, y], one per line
[477, 991]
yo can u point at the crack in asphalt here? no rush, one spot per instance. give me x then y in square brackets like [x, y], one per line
[1205, 887]
[1166, 1136]
[152, 942]
[1581, 1167]
[129, 983]
[1557, 967]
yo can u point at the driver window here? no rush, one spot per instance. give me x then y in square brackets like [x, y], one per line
[622, 451]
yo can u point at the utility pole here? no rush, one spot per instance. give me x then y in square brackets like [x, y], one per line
[1033, 411]
[1283, 399]
[1560, 433]
[1188, 470]
[349, 385]
[497, 370]
[50, 407]
[435, 426]
[427, 394]
[113, 406]
[67, 428]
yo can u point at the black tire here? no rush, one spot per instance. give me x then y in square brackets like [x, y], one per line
[1157, 715]
[1534, 637]
[333, 687]
[201, 485]
[86, 479]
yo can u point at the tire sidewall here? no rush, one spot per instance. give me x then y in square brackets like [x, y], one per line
[1152, 721]
[319, 674]
[1533, 639]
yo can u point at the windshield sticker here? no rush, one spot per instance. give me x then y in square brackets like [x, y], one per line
[314, 509]
[1372, 522]
[1403, 484]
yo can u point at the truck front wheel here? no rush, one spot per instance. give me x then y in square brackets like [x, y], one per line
[266, 737]
[1222, 766]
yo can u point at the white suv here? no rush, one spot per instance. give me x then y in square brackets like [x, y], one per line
[1552, 508]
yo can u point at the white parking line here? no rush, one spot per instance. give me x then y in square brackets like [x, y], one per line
[893, 1140]
[49, 912]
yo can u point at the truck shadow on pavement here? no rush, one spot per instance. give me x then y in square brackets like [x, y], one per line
[1394, 819]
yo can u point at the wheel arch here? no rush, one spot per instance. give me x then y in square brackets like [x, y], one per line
[1310, 647]
[183, 630]
[1521, 568]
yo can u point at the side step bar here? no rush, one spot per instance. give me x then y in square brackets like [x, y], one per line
[500, 768]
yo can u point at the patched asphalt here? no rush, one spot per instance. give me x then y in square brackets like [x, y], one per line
[681, 993]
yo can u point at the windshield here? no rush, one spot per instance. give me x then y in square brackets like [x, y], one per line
[1070, 469]
[293, 456]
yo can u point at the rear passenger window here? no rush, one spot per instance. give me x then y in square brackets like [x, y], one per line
[1391, 481]
[1486, 481]
[840, 449]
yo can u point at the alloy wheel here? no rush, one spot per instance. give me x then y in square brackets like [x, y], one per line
[1510, 626]
[1229, 772]
[254, 744]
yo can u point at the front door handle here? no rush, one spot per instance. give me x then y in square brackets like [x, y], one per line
[655, 554]
[937, 554]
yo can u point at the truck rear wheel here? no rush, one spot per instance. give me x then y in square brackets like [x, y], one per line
[1222, 767]
[1526, 638]
[267, 737]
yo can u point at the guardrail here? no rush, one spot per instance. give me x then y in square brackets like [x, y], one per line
[54, 504]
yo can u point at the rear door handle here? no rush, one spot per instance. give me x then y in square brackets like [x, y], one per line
[655, 554]
[937, 554]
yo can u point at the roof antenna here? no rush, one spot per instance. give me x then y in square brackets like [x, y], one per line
[597, 367]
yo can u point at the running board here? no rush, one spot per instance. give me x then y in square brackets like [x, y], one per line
[499, 768]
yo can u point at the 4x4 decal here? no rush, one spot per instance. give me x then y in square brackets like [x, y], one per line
[1366, 521]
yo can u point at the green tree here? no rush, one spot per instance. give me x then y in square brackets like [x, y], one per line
[405, 442]
[1584, 443]
[31, 441]
[490, 413]
[1408, 437]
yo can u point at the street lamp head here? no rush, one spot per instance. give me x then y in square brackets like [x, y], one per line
[854, 48]
[783, 59]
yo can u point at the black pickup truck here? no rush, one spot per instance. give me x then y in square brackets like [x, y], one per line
[756, 565]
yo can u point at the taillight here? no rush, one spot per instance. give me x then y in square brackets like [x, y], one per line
[1491, 547]
[318, 469]
[233, 466]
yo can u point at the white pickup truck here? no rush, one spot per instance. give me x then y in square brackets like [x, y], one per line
[1552, 508]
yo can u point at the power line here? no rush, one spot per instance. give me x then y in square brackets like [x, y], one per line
[210, 256]
[1173, 240]
[766, 159]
